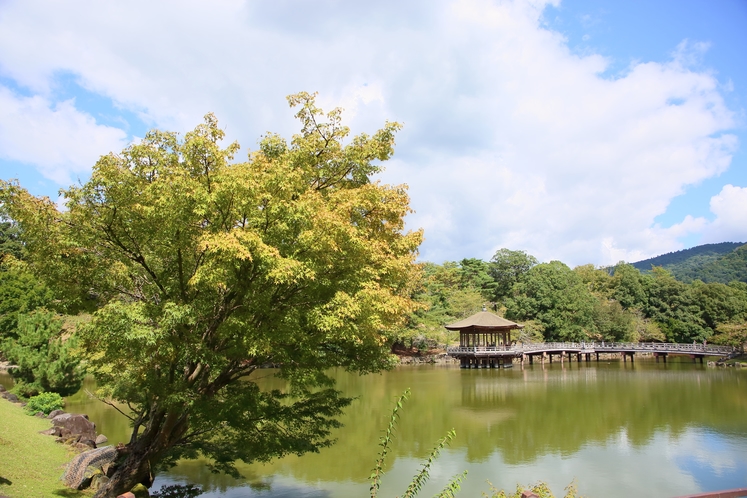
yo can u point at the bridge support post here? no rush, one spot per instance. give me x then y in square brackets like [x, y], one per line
[578, 358]
[588, 357]
[625, 358]
[660, 355]
[531, 359]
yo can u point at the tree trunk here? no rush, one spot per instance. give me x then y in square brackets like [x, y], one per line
[134, 470]
[162, 432]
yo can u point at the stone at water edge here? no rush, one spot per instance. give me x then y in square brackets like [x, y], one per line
[2, 388]
[98, 480]
[88, 443]
[76, 424]
[140, 491]
[11, 397]
[101, 439]
[54, 413]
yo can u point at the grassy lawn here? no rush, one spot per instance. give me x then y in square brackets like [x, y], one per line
[30, 464]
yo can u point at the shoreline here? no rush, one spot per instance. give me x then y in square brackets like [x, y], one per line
[441, 357]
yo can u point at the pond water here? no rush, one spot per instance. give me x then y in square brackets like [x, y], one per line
[619, 429]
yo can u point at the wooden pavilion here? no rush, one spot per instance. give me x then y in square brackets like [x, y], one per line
[484, 340]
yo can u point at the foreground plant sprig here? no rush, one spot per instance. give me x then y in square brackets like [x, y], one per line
[451, 489]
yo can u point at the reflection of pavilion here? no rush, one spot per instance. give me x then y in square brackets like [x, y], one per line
[486, 332]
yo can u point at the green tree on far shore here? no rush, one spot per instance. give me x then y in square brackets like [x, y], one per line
[555, 296]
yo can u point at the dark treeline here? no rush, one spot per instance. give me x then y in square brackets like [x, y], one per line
[724, 263]
[557, 303]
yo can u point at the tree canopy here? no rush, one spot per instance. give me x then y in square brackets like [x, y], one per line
[584, 304]
[199, 270]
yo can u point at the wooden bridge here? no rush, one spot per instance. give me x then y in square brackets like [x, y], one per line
[499, 355]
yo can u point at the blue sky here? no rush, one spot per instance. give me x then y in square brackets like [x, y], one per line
[647, 31]
[579, 130]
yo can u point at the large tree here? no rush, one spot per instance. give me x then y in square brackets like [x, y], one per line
[201, 270]
[557, 298]
[506, 267]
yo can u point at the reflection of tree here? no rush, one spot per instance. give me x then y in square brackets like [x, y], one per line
[523, 414]
[571, 408]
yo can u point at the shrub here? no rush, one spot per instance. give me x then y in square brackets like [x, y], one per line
[43, 357]
[178, 491]
[45, 402]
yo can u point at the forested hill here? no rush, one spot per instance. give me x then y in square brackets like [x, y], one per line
[724, 263]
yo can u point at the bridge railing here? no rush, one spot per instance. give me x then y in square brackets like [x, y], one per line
[594, 347]
[663, 347]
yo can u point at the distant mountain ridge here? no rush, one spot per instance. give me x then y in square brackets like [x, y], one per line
[724, 262]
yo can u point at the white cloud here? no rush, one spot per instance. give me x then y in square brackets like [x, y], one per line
[57, 139]
[730, 208]
[510, 140]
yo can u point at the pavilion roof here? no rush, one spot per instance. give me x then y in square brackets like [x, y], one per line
[484, 320]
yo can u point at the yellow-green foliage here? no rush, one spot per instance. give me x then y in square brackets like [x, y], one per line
[541, 489]
[199, 269]
[31, 463]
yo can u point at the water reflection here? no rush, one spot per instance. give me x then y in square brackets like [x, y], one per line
[633, 424]
[622, 429]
